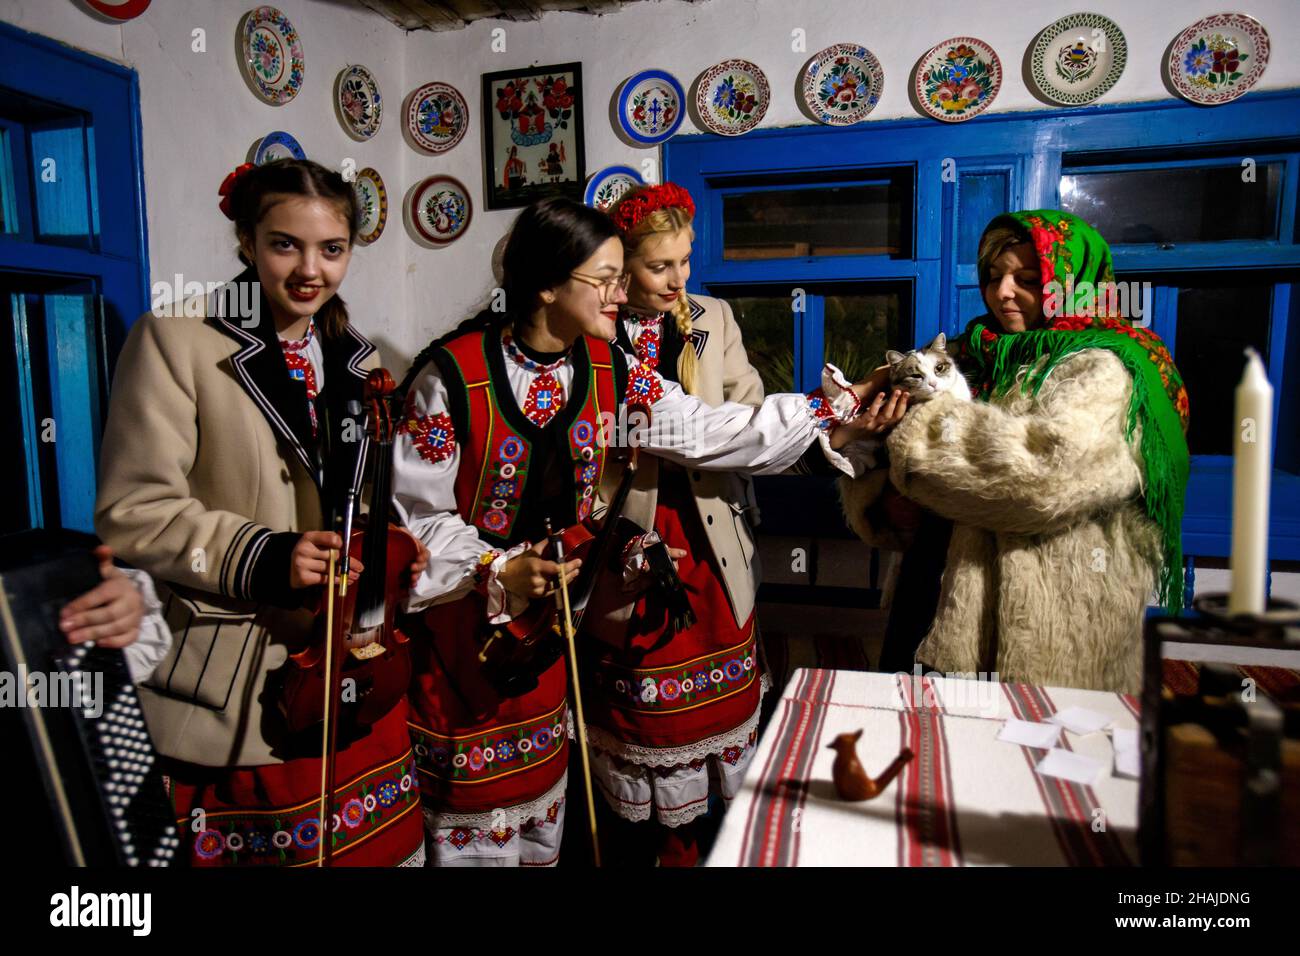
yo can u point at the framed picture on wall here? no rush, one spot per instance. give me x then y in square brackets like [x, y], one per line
[532, 135]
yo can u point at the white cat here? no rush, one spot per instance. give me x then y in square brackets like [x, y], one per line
[926, 373]
[923, 374]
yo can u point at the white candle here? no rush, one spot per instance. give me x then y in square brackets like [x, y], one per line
[1252, 461]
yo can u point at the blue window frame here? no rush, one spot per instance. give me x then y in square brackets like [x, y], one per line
[964, 174]
[73, 266]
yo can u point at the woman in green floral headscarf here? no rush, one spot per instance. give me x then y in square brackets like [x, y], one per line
[1064, 479]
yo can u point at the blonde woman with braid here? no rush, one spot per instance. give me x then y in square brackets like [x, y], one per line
[674, 713]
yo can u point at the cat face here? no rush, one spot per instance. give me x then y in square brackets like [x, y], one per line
[925, 373]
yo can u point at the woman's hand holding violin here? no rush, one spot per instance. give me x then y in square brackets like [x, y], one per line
[309, 562]
[530, 575]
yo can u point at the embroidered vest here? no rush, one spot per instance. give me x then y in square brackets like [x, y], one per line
[503, 456]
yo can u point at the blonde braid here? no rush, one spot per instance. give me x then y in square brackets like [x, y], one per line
[688, 363]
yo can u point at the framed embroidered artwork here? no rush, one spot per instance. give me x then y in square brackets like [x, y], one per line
[532, 135]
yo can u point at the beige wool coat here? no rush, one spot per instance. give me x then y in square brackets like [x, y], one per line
[725, 501]
[206, 481]
[1052, 560]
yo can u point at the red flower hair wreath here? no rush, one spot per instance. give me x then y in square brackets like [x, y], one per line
[638, 204]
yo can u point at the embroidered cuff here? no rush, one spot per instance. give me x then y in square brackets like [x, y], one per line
[835, 401]
[502, 606]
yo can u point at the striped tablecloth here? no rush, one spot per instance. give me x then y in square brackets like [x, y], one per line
[965, 799]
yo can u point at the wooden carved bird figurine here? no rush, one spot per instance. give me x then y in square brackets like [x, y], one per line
[851, 781]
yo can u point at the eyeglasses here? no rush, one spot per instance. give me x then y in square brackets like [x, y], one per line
[606, 286]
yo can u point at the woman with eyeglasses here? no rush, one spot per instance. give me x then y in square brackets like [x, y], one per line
[502, 430]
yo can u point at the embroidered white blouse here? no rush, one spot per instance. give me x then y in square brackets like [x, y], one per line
[728, 437]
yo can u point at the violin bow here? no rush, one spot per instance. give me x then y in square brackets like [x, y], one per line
[566, 618]
[326, 764]
[333, 689]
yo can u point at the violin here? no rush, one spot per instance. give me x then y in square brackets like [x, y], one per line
[358, 659]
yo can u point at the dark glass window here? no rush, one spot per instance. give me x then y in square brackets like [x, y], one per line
[1177, 204]
[860, 326]
[850, 220]
[767, 324]
[1217, 320]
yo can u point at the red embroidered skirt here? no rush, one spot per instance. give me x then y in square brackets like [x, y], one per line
[703, 681]
[477, 751]
[270, 815]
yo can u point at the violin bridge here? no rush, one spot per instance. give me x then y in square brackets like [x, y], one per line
[367, 652]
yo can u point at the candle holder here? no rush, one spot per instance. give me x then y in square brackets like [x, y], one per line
[1220, 779]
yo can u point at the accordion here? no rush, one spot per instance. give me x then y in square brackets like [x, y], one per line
[89, 749]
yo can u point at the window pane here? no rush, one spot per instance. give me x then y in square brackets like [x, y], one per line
[862, 325]
[868, 220]
[1179, 204]
[8, 198]
[982, 196]
[61, 185]
[1215, 324]
[767, 325]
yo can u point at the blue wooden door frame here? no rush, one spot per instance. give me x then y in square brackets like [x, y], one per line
[115, 258]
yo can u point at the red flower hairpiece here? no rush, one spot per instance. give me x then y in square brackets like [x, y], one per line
[639, 203]
[228, 187]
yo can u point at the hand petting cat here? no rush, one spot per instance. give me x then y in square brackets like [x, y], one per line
[875, 420]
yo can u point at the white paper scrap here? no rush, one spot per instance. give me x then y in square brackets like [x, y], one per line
[1128, 756]
[1080, 720]
[1069, 765]
[1030, 734]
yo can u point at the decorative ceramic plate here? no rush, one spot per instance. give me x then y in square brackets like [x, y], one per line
[1077, 58]
[607, 186]
[372, 205]
[271, 55]
[358, 101]
[842, 84]
[732, 97]
[436, 116]
[440, 209]
[275, 146]
[1218, 58]
[650, 106]
[119, 9]
[958, 79]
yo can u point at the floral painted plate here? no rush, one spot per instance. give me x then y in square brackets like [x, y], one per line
[732, 97]
[271, 55]
[1219, 58]
[372, 205]
[958, 79]
[842, 84]
[119, 9]
[358, 101]
[650, 106]
[608, 185]
[275, 146]
[1078, 58]
[436, 117]
[440, 209]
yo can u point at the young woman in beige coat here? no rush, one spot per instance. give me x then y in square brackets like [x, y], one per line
[219, 469]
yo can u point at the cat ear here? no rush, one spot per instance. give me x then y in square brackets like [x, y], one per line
[893, 358]
[940, 343]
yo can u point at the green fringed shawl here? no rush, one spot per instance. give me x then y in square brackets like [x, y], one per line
[1069, 246]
